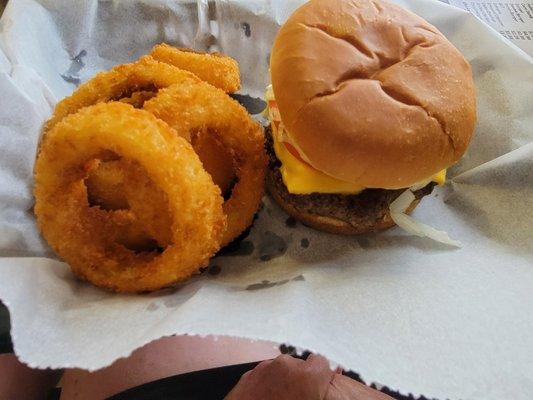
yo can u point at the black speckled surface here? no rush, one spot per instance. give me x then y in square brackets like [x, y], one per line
[5, 338]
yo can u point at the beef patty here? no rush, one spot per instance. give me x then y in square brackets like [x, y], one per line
[365, 212]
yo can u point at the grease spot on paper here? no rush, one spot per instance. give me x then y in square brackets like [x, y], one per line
[77, 64]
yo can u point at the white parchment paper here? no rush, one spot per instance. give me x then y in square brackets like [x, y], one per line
[400, 310]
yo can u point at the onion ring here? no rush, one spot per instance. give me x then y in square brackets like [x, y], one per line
[222, 72]
[84, 236]
[105, 183]
[193, 106]
[217, 69]
[122, 81]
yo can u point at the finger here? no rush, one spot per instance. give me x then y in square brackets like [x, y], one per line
[283, 365]
[285, 359]
[343, 387]
[260, 367]
[318, 362]
[319, 366]
[319, 371]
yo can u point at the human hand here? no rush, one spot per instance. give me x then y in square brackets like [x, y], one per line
[288, 378]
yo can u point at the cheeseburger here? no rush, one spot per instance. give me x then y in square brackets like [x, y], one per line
[367, 101]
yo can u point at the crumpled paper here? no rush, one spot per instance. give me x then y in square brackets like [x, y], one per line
[400, 310]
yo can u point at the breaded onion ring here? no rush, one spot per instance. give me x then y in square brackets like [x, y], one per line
[122, 81]
[194, 106]
[84, 236]
[217, 69]
[105, 183]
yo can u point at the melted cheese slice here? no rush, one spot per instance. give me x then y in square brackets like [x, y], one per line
[298, 176]
[439, 177]
[301, 178]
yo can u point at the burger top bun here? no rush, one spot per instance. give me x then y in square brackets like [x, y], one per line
[371, 93]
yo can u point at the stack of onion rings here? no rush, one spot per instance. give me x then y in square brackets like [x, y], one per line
[139, 81]
[121, 196]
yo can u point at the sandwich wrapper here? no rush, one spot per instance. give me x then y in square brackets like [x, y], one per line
[403, 311]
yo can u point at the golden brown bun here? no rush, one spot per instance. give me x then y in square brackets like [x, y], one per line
[372, 93]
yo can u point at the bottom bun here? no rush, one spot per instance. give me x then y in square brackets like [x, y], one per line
[365, 212]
